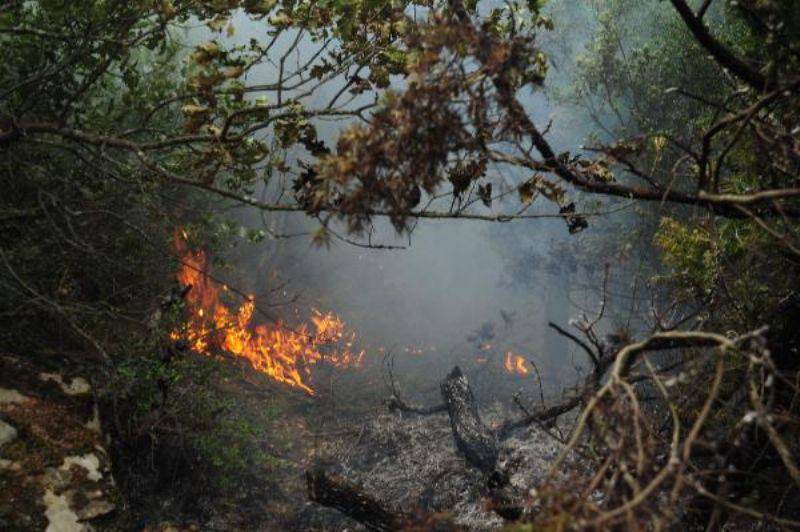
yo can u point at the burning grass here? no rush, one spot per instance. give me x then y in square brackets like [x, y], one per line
[283, 353]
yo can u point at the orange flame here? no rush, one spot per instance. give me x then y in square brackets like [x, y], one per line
[515, 364]
[284, 354]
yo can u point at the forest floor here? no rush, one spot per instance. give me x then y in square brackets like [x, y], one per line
[56, 467]
[410, 461]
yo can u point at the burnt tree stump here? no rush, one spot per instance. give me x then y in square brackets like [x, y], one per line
[474, 440]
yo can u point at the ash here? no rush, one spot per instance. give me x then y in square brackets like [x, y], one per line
[410, 461]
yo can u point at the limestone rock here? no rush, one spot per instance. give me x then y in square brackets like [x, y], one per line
[11, 396]
[55, 473]
[7, 433]
[77, 386]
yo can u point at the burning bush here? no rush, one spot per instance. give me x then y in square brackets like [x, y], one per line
[283, 353]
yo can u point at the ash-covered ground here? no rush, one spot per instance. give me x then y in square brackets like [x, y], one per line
[410, 462]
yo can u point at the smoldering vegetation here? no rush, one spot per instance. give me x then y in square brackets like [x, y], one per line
[450, 291]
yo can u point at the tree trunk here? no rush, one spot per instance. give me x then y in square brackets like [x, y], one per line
[478, 444]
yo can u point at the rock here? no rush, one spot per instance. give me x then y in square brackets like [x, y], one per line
[78, 385]
[89, 462]
[60, 517]
[59, 480]
[11, 396]
[9, 465]
[56, 479]
[95, 509]
[7, 433]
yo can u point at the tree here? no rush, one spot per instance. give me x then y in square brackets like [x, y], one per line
[110, 124]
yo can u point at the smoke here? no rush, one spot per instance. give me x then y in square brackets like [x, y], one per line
[427, 303]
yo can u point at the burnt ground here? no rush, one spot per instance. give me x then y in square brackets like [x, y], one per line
[410, 462]
[56, 464]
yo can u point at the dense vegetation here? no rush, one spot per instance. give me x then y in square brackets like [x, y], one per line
[114, 133]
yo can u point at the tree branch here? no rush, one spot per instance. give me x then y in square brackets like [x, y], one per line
[335, 492]
[720, 53]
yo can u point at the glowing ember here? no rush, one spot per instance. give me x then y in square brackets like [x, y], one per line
[515, 364]
[284, 354]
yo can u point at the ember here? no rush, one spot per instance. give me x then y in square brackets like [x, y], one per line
[284, 354]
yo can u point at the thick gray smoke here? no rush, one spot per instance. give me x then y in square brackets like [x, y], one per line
[457, 288]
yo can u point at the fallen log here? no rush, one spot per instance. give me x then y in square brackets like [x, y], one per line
[474, 440]
[336, 492]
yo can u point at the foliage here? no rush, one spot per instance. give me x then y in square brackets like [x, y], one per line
[690, 253]
[111, 136]
[188, 434]
[665, 103]
[85, 240]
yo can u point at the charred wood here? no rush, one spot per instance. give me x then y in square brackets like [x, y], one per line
[336, 492]
[474, 440]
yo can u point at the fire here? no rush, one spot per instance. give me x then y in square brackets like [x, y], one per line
[515, 364]
[284, 354]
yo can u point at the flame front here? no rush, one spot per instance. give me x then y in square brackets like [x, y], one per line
[284, 354]
[515, 364]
